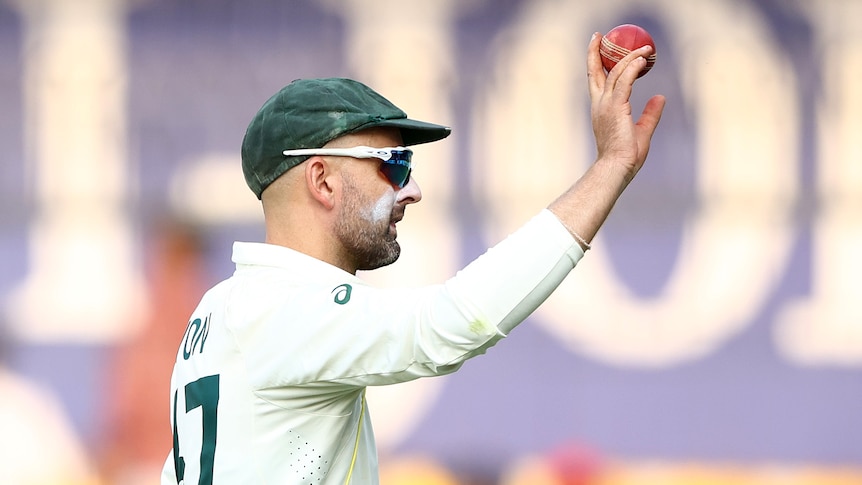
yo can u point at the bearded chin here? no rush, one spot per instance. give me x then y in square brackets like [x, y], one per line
[371, 246]
[385, 255]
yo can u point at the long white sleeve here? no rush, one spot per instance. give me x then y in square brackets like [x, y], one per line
[513, 278]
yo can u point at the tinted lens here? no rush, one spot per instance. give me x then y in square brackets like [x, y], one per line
[397, 169]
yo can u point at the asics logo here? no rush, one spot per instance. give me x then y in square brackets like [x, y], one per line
[342, 293]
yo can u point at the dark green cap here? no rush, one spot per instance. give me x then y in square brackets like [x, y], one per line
[308, 113]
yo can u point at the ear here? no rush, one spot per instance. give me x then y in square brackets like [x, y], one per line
[319, 180]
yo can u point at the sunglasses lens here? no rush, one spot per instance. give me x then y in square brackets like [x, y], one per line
[397, 169]
[396, 173]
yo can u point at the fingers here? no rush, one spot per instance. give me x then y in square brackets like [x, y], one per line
[595, 72]
[627, 70]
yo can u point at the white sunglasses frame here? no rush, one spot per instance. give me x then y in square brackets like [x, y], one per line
[355, 152]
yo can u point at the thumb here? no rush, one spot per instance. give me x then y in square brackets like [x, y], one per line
[651, 115]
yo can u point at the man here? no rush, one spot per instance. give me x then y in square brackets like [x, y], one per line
[269, 382]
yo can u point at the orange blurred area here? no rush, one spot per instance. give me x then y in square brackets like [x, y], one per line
[538, 472]
[707, 474]
[584, 469]
[415, 470]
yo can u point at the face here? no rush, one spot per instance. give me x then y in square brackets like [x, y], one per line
[366, 228]
[371, 206]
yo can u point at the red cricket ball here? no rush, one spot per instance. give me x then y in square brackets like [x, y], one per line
[621, 40]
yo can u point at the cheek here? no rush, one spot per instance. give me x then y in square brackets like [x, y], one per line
[382, 209]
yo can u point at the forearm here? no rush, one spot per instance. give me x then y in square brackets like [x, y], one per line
[585, 206]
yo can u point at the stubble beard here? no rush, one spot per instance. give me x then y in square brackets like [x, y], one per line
[370, 243]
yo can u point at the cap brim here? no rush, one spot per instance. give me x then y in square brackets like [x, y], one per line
[414, 132]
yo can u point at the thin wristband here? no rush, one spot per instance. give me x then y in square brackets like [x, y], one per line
[583, 242]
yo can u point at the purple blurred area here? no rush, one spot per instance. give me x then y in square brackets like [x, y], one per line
[196, 71]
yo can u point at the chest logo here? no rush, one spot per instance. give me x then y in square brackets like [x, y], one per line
[342, 293]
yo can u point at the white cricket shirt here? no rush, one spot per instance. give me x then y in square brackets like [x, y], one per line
[269, 381]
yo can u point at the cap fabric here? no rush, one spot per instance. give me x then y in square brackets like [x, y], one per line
[308, 113]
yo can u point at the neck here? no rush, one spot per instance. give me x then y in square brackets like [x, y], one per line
[309, 237]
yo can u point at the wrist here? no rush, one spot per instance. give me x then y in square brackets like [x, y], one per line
[616, 167]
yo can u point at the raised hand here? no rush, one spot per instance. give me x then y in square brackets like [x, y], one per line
[619, 139]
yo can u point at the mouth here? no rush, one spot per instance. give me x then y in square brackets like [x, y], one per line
[392, 223]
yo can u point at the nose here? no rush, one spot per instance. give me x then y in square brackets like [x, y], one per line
[410, 193]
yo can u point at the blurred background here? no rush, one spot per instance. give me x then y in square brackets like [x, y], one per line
[713, 335]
